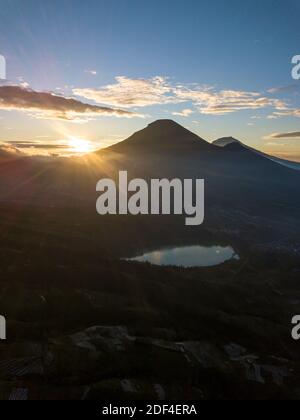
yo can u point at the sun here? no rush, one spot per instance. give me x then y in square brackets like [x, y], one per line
[79, 145]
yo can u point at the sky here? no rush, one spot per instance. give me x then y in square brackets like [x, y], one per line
[84, 75]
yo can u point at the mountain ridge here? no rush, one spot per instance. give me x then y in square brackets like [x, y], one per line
[162, 135]
[230, 143]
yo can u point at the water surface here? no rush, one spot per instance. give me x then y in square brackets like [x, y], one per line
[189, 256]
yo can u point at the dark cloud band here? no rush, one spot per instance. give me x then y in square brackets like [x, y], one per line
[50, 106]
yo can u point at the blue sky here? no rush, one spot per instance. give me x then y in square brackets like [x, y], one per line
[179, 48]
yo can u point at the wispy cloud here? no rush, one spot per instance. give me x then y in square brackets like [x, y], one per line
[47, 105]
[183, 113]
[131, 93]
[210, 101]
[91, 72]
[291, 135]
[275, 144]
[284, 89]
[288, 112]
[37, 145]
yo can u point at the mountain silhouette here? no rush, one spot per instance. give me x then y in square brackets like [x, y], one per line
[237, 178]
[162, 135]
[230, 143]
[177, 152]
[225, 141]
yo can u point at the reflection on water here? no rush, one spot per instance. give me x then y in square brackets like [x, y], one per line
[189, 256]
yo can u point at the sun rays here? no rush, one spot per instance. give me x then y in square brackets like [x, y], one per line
[78, 145]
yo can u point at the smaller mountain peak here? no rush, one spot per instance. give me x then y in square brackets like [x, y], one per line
[225, 141]
[235, 146]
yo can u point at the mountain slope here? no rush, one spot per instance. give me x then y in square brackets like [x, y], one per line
[228, 142]
[224, 141]
[235, 176]
[162, 135]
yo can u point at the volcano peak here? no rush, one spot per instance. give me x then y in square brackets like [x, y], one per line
[162, 135]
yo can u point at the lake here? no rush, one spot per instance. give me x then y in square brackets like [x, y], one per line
[189, 256]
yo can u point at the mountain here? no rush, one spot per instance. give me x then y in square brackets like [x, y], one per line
[237, 179]
[162, 136]
[171, 144]
[67, 291]
[225, 141]
[283, 162]
[231, 144]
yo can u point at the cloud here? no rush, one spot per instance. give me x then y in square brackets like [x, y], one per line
[91, 72]
[184, 113]
[284, 89]
[288, 112]
[7, 150]
[39, 148]
[37, 145]
[212, 102]
[291, 135]
[130, 93]
[276, 144]
[47, 105]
